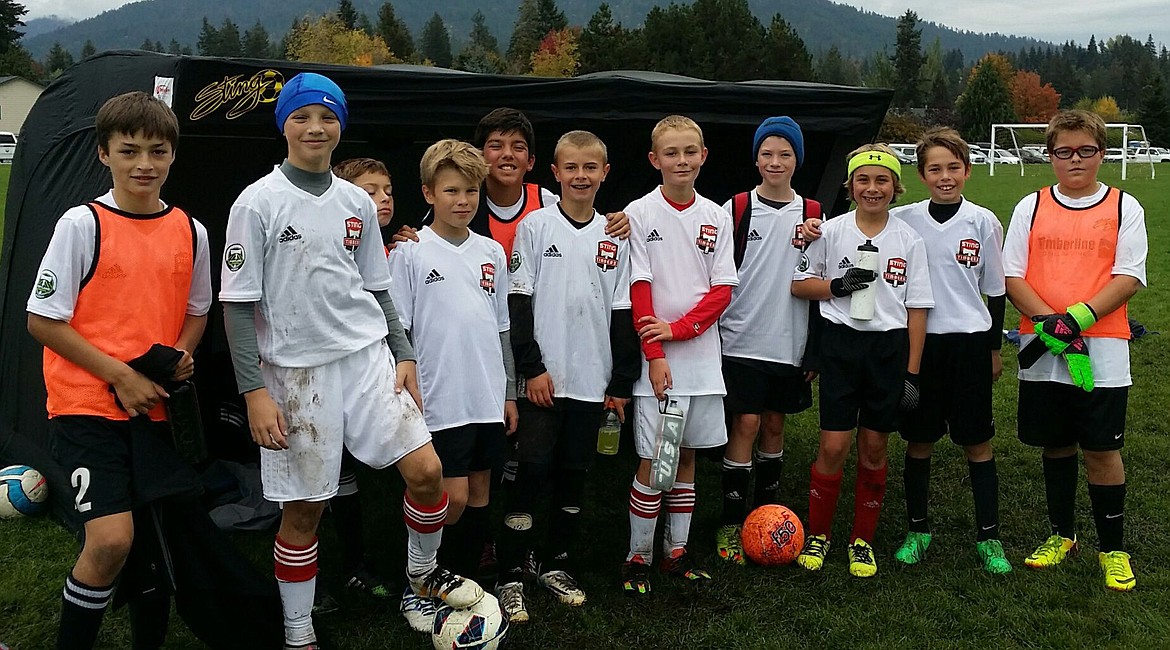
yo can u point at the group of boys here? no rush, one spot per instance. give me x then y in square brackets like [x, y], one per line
[524, 314]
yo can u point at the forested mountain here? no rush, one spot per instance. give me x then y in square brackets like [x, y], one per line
[820, 23]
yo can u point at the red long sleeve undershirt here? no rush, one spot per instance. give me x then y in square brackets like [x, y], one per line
[701, 317]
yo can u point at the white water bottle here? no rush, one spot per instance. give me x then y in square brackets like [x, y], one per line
[861, 302]
[664, 467]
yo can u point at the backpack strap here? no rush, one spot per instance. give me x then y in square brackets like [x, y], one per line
[741, 214]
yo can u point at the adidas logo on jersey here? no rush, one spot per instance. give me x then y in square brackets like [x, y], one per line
[433, 276]
[845, 263]
[552, 251]
[289, 234]
[654, 236]
[754, 235]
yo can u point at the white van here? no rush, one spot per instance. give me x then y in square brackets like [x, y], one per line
[7, 147]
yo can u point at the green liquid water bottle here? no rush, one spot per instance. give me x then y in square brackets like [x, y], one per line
[610, 434]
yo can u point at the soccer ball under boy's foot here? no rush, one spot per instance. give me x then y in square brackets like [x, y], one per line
[480, 627]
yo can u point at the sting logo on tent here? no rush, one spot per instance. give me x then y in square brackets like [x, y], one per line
[246, 93]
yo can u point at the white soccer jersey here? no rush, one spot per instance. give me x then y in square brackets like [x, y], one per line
[1110, 357]
[966, 263]
[70, 257]
[576, 277]
[764, 320]
[311, 263]
[682, 254]
[454, 301]
[903, 278]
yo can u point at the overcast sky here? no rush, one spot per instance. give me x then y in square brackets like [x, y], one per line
[1051, 20]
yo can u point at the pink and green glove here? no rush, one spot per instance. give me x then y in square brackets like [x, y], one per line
[1076, 355]
[1058, 331]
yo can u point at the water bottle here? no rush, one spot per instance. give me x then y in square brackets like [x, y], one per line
[861, 302]
[664, 467]
[610, 434]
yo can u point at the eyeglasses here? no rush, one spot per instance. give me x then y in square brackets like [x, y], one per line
[1087, 151]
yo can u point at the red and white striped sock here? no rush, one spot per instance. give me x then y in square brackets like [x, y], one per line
[644, 505]
[424, 534]
[680, 505]
[296, 575]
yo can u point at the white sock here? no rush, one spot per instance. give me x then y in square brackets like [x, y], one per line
[645, 503]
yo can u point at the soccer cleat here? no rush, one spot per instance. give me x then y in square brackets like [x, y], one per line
[564, 587]
[861, 561]
[511, 598]
[324, 602]
[680, 565]
[636, 576]
[1118, 574]
[991, 554]
[418, 611]
[913, 549]
[729, 545]
[1052, 552]
[456, 591]
[812, 556]
[370, 583]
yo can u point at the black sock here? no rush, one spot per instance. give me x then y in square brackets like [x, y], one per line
[985, 489]
[474, 530]
[768, 468]
[82, 608]
[916, 479]
[1109, 514]
[453, 549]
[149, 615]
[565, 520]
[1060, 489]
[735, 486]
[347, 521]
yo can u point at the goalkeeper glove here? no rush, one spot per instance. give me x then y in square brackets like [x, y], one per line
[910, 392]
[1076, 355]
[854, 279]
[1057, 331]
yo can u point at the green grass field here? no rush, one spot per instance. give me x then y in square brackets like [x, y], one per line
[947, 602]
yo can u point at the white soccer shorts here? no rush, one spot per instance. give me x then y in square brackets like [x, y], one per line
[704, 426]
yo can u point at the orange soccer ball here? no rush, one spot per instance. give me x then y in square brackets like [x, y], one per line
[772, 535]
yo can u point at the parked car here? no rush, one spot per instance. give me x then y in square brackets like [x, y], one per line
[1028, 156]
[1039, 150]
[1149, 155]
[1004, 157]
[1114, 154]
[7, 147]
[907, 153]
[978, 155]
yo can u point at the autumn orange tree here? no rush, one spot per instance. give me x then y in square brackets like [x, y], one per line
[328, 40]
[1033, 102]
[557, 55]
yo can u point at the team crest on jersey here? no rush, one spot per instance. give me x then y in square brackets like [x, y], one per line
[46, 284]
[895, 272]
[234, 257]
[804, 263]
[606, 258]
[706, 239]
[514, 262]
[798, 241]
[353, 233]
[487, 278]
[968, 254]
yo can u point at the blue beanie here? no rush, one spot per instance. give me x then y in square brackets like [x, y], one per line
[786, 128]
[310, 88]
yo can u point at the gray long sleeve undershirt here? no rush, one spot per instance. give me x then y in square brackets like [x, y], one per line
[509, 364]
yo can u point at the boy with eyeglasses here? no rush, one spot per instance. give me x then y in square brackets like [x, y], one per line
[1075, 253]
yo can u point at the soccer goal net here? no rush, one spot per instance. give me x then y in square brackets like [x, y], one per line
[1127, 133]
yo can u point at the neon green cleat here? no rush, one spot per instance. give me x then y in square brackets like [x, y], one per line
[913, 549]
[1118, 574]
[861, 561]
[812, 556]
[729, 545]
[991, 554]
[1052, 552]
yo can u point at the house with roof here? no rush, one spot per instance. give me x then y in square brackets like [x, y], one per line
[17, 96]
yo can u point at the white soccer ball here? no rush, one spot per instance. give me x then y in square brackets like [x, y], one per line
[23, 492]
[479, 627]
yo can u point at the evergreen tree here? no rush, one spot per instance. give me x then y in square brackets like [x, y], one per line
[58, 59]
[208, 42]
[394, 33]
[285, 41]
[367, 27]
[89, 49]
[347, 14]
[228, 39]
[1155, 111]
[784, 55]
[436, 42]
[881, 73]
[986, 101]
[606, 45]
[908, 61]
[732, 38]
[256, 43]
[148, 46]
[836, 69]
[534, 20]
[662, 32]
[11, 13]
[482, 52]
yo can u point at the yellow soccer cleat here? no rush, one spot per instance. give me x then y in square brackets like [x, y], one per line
[812, 556]
[1118, 574]
[1052, 552]
[862, 563]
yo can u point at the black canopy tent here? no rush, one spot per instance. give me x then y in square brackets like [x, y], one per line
[229, 139]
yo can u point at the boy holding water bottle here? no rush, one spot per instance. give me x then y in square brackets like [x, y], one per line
[683, 269]
[574, 343]
[870, 274]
